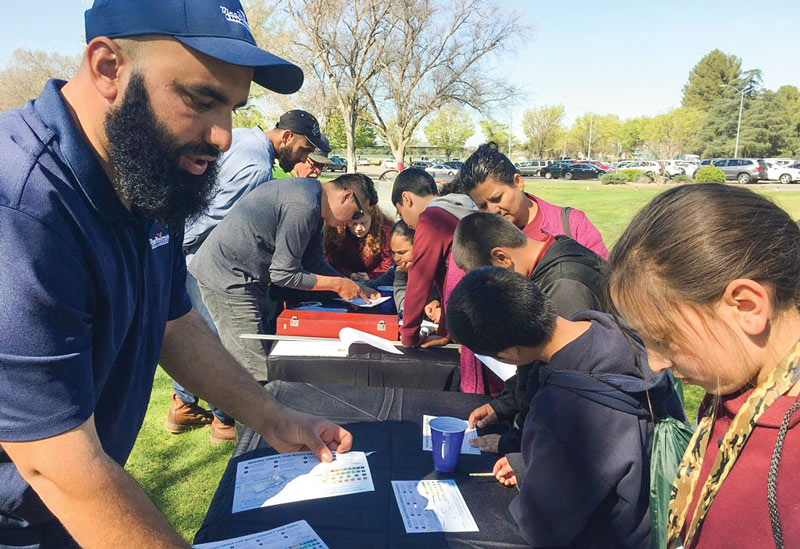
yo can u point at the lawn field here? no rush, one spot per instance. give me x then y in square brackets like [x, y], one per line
[181, 472]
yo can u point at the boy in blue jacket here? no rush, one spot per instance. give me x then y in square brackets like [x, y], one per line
[587, 480]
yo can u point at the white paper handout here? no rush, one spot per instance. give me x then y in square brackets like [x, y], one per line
[466, 447]
[309, 348]
[348, 336]
[503, 370]
[292, 536]
[364, 304]
[433, 506]
[286, 478]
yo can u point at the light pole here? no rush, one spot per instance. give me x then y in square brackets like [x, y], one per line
[591, 123]
[739, 124]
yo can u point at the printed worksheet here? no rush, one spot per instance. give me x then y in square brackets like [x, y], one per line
[297, 535]
[503, 370]
[466, 447]
[432, 506]
[364, 304]
[285, 478]
[348, 336]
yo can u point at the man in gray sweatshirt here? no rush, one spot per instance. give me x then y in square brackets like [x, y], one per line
[272, 238]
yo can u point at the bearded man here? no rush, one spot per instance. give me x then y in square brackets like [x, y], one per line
[97, 176]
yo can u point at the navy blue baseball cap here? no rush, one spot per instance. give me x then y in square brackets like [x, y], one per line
[217, 28]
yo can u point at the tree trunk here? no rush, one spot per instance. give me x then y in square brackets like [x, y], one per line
[399, 153]
[349, 118]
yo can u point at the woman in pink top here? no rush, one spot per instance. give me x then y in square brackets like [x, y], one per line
[495, 185]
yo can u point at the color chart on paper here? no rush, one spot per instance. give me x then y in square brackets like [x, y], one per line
[286, 478]
[297, 535]
[433, 506]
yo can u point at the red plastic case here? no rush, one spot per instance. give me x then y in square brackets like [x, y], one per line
[327, 324]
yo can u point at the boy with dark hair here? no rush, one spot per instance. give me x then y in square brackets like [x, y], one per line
[434, 220]
[588, 480]
[570, 275]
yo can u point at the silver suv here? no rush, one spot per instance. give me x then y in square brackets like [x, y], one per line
[743, 170]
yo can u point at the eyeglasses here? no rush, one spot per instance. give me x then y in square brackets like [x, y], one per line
[360, 213]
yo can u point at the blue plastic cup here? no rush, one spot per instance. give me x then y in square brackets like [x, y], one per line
[387, 307]
[447, 435]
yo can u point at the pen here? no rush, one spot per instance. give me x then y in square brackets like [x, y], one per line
[481, 474]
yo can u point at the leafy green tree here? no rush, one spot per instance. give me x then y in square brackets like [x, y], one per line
[766, 128]
[498, 132]
[544, 127]
[250, 116]
[596, 132]
[449, 130]
[671, 133]
[335, 131]
[631, 135]
[706, 80]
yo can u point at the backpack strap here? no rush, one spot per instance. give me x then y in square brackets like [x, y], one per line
[565, 221]
[594, 388]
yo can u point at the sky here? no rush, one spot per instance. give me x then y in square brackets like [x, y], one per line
[629, 58]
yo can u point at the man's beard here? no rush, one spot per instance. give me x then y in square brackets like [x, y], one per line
[145, 158]
[286, 158]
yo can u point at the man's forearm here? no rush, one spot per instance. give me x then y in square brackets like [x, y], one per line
[328, 283]
[195, 358]
[94, 498]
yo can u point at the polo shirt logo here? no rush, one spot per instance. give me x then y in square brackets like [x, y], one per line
[160, 239]
[235, 16]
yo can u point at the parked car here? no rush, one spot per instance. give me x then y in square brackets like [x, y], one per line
[554, 170]
[525, 169]
[743, 170]
[363, 161]
[389, 163]
[584, 170]
[671, 168]
[602, 165]
[339, 164]
[784, 174]
[422, 164]
[688, 166]
[647, 166]
[439, 170]
[455, 164]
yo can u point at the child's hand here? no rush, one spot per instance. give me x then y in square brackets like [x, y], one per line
[482, 416]
[433, 310]
[504, 473]
[359, 277]
[486, 443]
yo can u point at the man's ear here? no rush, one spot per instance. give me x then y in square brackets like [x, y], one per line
[408, 201]
[286, 136]
[749, 303]
[107, 65]
[501, 258]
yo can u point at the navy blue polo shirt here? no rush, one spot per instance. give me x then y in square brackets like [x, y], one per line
[86, 289]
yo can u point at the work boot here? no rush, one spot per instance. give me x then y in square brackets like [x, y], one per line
[222, 432]
[185, 417]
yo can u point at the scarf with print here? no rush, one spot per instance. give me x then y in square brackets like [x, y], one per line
[785, 376]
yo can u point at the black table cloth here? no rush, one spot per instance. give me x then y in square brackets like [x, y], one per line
[387, 421]
[366, 366]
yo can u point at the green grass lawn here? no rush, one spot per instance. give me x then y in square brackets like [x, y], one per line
[181, 472]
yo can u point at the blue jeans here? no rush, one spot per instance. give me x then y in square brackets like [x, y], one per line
[197, 304]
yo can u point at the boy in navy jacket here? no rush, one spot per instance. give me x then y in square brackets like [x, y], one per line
[587, 480]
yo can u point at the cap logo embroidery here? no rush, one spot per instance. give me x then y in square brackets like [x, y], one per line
[235, 16]
[160, 239]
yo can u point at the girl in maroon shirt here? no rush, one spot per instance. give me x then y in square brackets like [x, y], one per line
[709, 277]
[362, 250]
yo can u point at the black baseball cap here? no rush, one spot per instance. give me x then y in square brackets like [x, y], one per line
[217, 28]
[320, 156]
[303, 123]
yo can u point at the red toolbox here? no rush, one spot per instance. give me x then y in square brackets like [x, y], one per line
[295, 322]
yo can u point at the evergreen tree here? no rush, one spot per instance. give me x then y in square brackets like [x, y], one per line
[706, 80]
